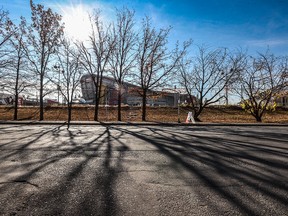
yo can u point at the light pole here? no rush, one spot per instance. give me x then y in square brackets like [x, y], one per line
[178, 107]
[226, 85]
[178, 103]
[57, 68]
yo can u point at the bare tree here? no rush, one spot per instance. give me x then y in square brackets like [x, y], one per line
[6, 32]
[155, 62]
[206, 76]
[43, 37]
[123, 56]
[262, 78]
[19, 80]
[5, 27]
[95, 58]
[69, 67]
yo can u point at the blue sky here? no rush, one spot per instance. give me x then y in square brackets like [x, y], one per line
[247, 24]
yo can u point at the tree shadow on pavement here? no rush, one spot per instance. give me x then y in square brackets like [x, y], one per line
[49, 168]
[248, 176]
[55, 171]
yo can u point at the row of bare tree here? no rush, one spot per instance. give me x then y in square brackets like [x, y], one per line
[258, 81]
[29, 52]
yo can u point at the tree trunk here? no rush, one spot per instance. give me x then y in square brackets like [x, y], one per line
[258, 118]
[41, 99]
[16, 100]
[196, 111]
[16, 107]
[257, 114]
[144, 98]
[69, 113]
[196, 115]
[96, 110]
[119, 104]
[16, 89]
[196, 118]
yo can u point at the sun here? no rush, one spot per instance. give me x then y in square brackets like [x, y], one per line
[76, 21]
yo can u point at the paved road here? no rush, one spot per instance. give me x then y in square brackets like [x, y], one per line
[143, 170]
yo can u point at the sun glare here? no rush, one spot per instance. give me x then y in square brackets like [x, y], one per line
[77, 23]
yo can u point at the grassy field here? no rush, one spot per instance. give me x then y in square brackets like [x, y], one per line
[215, 114]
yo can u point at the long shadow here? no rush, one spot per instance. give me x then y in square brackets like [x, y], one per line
[226, 132]
[97, 194]
[262, 134]
[223, 162]
[81, 168]
[32, 137]
[229, 148]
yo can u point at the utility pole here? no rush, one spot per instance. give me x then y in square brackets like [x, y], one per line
[178, 103]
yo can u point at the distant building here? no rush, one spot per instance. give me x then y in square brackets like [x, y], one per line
[282, 101]
[282, 98]
[130, 95]
[109, 90]
[9, 99]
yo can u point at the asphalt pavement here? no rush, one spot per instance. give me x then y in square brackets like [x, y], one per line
[143, 169]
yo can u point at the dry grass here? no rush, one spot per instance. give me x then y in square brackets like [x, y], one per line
[217, 114]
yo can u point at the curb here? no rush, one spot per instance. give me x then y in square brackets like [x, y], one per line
[141, 123]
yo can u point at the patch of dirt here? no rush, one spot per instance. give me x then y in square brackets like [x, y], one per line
[214, 114]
